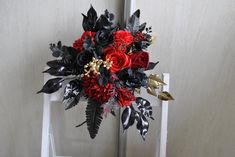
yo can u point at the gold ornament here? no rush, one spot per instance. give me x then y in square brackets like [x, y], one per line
[94, 66]
[165, 96]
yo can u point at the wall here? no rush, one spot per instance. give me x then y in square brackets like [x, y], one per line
[26, 29]
[195, 43]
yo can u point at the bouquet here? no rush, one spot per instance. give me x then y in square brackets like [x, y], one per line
[106, 66]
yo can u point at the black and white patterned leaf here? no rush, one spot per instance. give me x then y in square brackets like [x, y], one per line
[72, 94]
[93, 117]
[144, 107]
[142, 126]
[128, 117]
[51, 86]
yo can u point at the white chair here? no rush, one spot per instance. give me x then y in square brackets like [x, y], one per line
[48, 142]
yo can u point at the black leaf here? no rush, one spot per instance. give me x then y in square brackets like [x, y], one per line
[142, 27]
[98, 50]
[151, 65]
[70, 53]
[58, 71]
[66, 52]
[56, 49]
[104, 76]
[51, 86]
[55, 63]
[144, 107]
[102, 80]
[102, 23]
[110, 16]
[72, 94]
[88, 44]
[134, 22]
[93, 117]
[85, 23]
[89, 20]
[142, 126]
[128, 117]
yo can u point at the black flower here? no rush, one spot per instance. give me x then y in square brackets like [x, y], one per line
[133, 78]
[84, 57]
[104, 37]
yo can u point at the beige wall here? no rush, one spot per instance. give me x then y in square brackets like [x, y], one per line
[196, 44]
[26, 29]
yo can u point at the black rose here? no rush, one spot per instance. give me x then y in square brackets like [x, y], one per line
[103, 37]
[83, 58]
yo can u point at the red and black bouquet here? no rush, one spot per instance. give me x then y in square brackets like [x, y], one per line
[107, 65]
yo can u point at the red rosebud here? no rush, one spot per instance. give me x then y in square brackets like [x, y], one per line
[139, 59]
[125, 97]
[120, 60]
[122, 38]
[78, 44]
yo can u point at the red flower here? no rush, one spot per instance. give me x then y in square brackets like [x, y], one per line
[122, 38]
[110, 49]
[120, 60]
[125, 97]
[93, 90]
[139, 59]
[139, 37]
[78, 44]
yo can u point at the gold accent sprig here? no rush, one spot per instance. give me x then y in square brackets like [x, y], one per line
[94, 66]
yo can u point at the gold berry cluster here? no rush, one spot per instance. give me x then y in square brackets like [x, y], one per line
[94, 66]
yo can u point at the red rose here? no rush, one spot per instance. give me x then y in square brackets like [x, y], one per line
[120, 60]
[78, 44]
[110, 49]
[122, 38]
[139, 59]
[93, 90]
[125, 97]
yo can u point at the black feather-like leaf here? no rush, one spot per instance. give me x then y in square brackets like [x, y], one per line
[144, 107]
[151, 65]
[128, 117]
[51, 86]
[142, 126]
[93, 117]
[72, 94]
